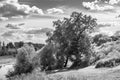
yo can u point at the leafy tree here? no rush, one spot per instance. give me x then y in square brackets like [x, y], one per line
[72, 37]
[10, 45]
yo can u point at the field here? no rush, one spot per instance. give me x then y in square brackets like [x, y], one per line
[6, 60]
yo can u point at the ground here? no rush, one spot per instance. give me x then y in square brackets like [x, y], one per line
[88, 73]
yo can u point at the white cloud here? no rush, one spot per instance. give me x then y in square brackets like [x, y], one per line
[104, 25]
[112, 2]
[3, 18]
[35, 9]
[19, 35]
[98, 5]
[12, 26]
[55, 10]
[11, 1]
[11, 8]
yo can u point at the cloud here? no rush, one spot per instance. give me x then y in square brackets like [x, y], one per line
[104, 25]
[8, 34]
[36, 10]
[12, 8]
[14, 26]
[9, 0]
[39, 31]
[112, 2]
[98, 5]
[55, 11]
[20, 35]
[3, 18]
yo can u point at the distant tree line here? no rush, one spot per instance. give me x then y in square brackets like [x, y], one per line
[11, 47]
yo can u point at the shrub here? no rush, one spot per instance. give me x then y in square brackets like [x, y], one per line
[99, 39]
[111, 60]
[24, 61]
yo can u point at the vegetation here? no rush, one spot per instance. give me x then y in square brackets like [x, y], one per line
[11, 48]
[24, 60]
[109, 54]
[82, 74]
[99, 39]
[72, 41]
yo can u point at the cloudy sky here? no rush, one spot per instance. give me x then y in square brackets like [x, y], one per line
[19, 17]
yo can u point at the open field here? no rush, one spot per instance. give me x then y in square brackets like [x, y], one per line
[6, 60]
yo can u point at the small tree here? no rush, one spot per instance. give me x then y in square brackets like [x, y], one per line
[23, 60]
[72, 36]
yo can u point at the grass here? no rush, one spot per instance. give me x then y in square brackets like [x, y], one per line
[89, 73]
[7, 60]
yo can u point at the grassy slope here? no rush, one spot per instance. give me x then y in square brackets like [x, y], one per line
[89, 73]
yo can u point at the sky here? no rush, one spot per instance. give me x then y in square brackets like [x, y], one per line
[18, 17]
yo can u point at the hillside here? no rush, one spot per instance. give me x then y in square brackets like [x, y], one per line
[89, 73]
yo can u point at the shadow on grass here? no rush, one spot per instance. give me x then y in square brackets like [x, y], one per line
[61, 70]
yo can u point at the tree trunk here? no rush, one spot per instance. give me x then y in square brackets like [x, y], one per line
[66, 62]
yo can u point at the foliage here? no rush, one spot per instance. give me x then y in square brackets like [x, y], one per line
[45, 58]
[72, 37]
[99, 39]
[108, 54]
[11, 48]
[108, 62]
[24, 60]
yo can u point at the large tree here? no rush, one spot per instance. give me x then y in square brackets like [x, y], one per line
[72, 36]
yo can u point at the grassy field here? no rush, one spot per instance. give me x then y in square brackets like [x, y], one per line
[6, 60]
[89, 73]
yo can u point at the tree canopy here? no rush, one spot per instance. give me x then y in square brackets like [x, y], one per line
[72, 38]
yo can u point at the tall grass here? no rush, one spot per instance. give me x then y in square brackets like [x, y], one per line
[36, 75]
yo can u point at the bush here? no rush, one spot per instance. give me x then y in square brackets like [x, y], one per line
[111, 60]
[99, 39]
[24, 61]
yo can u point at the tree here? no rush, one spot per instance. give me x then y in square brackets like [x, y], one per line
[10, 45]
[72, 36]
[19, 44]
